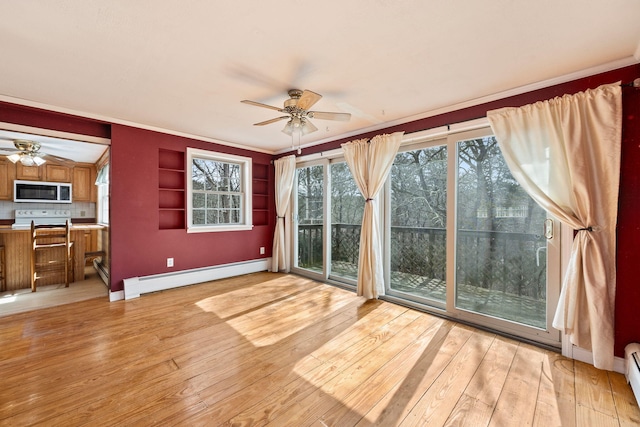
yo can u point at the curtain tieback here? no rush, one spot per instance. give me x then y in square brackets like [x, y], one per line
[585, 229]
[279, 217]
[368, 200]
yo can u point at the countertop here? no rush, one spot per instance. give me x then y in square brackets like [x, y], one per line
[78, 227]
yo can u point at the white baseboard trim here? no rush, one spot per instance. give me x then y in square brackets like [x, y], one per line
[586, 356]
[102, 272]
[116, 296]
[136, 286]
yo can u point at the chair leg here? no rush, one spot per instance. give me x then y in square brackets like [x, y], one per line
[33, 271]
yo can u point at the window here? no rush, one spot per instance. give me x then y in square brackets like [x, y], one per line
[219, 191]
[102, 182]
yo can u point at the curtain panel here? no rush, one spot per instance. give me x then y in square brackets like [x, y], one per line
[370, 163]
[565, 153]
[281, 253]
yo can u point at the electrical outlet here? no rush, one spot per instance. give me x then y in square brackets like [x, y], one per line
[169, 262]
[261, 250]
[83, 213]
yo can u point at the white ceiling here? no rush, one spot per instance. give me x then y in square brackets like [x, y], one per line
[185, 65]
[77, 151]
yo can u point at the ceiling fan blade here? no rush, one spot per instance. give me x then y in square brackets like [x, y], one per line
[260, 104]
[308, 127]
[267, 122]
[57, 159]
[307, 99]
[325, 115]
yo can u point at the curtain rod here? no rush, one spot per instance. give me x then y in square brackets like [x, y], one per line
[635, 83]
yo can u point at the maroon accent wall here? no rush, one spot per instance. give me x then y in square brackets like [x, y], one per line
[138, 246]
[29, 116]
[627, 319]
[627, 326]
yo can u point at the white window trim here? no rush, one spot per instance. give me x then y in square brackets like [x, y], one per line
[247, 196]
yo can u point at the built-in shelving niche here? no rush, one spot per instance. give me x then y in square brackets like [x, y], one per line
[260, 194]
[171, 190]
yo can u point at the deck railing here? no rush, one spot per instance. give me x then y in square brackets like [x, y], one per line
[512, 263]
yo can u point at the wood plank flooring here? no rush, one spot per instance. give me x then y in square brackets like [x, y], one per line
[21, 300]
[280, 350]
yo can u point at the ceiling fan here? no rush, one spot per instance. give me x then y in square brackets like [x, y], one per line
[28, 153]
[298, 114]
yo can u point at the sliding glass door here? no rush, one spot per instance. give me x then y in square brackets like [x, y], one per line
[309, 217]
[418, 223]
[500, 247]
[461, 236]
[465, 238]
[347, 207]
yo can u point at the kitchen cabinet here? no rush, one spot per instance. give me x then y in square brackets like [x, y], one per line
[57, 173]
[7, 175]
[29, 173]
[84, 177]
[17, 243]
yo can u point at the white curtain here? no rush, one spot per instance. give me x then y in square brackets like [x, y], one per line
[565, 152]
[285, 169]
[370, 163]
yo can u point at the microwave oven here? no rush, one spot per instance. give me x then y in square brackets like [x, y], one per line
[41, 192]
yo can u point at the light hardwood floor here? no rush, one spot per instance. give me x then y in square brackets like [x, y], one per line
[21, 300]
[280, 350]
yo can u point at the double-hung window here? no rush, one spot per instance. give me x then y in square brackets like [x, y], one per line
[219, 187]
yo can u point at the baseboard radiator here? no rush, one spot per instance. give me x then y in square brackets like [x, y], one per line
[136, 286]
[632, 358]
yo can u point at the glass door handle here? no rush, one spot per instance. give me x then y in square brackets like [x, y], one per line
[548, 229]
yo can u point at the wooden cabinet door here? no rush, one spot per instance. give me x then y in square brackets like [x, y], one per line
[57, 173]
[82, 183]
[7, 174]
[29, 173]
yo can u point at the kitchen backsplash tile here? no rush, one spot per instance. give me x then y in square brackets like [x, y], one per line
[78, 209]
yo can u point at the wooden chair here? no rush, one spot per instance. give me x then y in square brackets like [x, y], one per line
[51, 252]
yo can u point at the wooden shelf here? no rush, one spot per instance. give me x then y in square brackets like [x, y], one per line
[260, 172]
[260, 187]
[170, 159]
[171, 199]
[171, 179]
[171, 190]
[260, 198]
[260, 201]
[261, 217]
[171, 219]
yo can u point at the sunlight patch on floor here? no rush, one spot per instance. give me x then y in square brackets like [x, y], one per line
[7, 299]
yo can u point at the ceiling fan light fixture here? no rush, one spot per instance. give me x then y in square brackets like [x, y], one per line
[288, 128]
[39, 161]
[14, 157]
[27, 161]
[305, 130]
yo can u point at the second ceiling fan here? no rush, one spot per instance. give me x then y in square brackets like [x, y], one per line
[298, 114]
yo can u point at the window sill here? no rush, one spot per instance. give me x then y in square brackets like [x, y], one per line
[214, 229]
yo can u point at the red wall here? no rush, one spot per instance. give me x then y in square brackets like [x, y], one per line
[28, 116]
[138, 246]
[627, 319]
